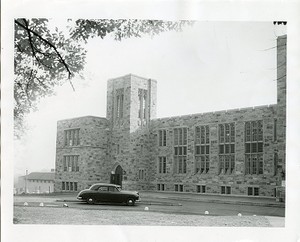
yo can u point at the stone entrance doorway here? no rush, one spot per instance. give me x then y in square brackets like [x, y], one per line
[117, 176]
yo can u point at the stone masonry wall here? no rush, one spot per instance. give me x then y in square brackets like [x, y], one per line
[213, 180]
[126, 142]
[92, 151]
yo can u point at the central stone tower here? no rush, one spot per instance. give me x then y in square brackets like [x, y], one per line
[131, 104]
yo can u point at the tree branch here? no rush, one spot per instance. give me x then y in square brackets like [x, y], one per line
[52, 46]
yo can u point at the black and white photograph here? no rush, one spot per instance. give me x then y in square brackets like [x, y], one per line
[131, 124]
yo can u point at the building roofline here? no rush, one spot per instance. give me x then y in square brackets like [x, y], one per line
[220, 111]
[282, 36]
[88, 116]
[130, 74]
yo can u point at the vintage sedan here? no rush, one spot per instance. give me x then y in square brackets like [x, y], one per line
[108, 193]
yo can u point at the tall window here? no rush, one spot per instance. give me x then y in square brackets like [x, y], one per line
[226, 148]
[180, 150]
[70, 163]
[254, 147]
[275, 163]
[202, 149]
[275, 129]
[142, 103]
[162, 164]
[120, 102]
[71, 137]
[142, 174]
[162, 137]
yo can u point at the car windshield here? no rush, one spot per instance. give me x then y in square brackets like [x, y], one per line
[94, 187]
[119, 189]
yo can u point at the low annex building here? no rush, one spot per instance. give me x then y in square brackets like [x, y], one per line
[240, 151]
[35, 182]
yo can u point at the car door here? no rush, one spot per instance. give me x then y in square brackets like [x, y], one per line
[114, 195]
[102, 194]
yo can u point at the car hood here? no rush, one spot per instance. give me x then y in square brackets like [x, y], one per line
[82, 191]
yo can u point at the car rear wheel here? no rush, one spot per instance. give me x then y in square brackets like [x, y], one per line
[90, 200]
[130, 201]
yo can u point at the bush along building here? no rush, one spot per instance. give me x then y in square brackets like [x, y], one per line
[239, 152]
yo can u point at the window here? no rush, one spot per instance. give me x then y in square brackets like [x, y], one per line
[202, 149]
[119, 102]
[160, 187]
[179, 188]
[103, 189]
[162, 137]
[142, 174]
[70, 163]
[75, 186]
[275, 163]
[201, 188]
[142, 103]
[180, 150]
[225, 190]
[71, 137]
[63, 186]
[253, 191]
[254, 147]
[275, 129]
[162, 164]
[226, 148]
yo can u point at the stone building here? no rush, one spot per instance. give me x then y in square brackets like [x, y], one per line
[240, 151]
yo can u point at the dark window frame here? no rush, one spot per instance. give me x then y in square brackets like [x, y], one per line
[254, 147]
[180, 149]
[227, 139]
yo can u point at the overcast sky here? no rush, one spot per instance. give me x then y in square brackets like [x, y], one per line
[210, 66]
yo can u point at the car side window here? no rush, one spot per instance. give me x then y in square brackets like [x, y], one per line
[112, 189]
[103, 189]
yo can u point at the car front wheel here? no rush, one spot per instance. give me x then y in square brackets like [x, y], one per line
[90, 200]
[130, 201]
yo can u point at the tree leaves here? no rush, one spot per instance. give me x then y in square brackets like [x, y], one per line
[45, 58]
